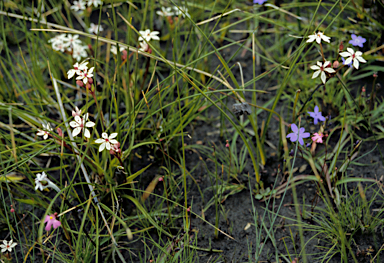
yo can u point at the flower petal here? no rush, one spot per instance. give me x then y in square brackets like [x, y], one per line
[294, 127]
[76, 131]
[90, 124]
[356, 63]
[102, 147]
[99, 140]
[316, 74]
[87, 134]
[104, 135]
[108, 146]
[113, 135]
[323, 77]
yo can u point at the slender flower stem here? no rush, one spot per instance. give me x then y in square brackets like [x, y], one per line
[79, 159]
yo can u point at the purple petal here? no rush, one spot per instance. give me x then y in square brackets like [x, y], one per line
[305, 135]
[294, 127]
[292, 136]
[302, 129]
[301, 141]
[315, 120]
[316, 109]
[321, 118]
[56, 224]
[353, 36]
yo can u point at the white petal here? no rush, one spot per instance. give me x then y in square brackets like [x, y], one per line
[102, 147]
[76, 131]
[87, 134]
[356, 63]
[315, 67]
[318, 40]
[74, 124]
[358, 53]
[45, 136]
[104, 135]
[345, 54]
[323, 77]
[113, 141]
[347, 61]
[326, 64]
[155, 37]
[108, 146]
[89, 124]
[330, 70]
[316, 74]
[361, 59]
[350, 50]
[319, 63]
[113, 135]
[99, 141]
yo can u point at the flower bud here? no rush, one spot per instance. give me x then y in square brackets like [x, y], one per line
[341, 46]
[363, 89]
[59, 132]
[90, 80]
[124, 56]
[375, 75]
[336, 64]
[80, 83]
[161, 179]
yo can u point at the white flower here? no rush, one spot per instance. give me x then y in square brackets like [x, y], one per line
[7, 246]
[106, 141]
[322, 69]
[318, 37]
[352, 56]
[96, 3]
[78, 5]
[95, 29]
[77, 69]
[59, 46]
[79, 52]
[165, 11]
[43, 177]
[114, 49]
[181, 11]
[39, 178]
[72, 40]
[148, 35]
[84, 75]
[44, 132]
[81, 124]
[144, 47]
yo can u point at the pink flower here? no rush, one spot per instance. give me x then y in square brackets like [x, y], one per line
[318, 137]
[51, 221]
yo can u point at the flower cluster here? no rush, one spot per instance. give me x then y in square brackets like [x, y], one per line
[326, 69]
[300, 134]
[69, 43]
[84, 75]
[80, 5]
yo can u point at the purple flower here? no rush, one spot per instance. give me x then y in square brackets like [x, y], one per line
[357, 40]
[298, 134]
[316, 115]
[260, 2]
[350, 64]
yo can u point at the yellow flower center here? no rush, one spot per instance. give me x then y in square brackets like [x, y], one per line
[50, 217]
